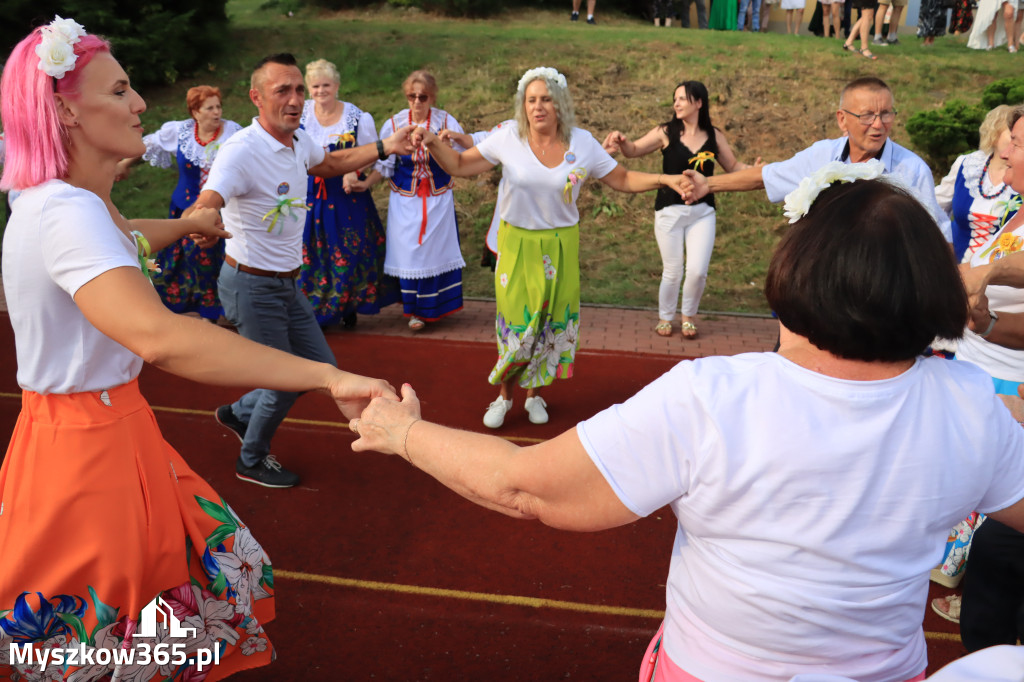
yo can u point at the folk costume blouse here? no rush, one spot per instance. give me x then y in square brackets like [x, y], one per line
[974, 204]
[422, 234]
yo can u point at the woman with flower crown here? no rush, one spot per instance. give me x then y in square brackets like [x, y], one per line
[545, 160]
[813, 487]
[423, 250]
[688, 140]
[343, 243]
[101, 521]
[187, 276]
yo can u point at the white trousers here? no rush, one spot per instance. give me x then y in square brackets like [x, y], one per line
[683, 229]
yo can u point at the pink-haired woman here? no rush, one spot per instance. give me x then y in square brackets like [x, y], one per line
[99, 516]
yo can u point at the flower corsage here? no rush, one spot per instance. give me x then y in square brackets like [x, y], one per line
[56, 50]
[547, 73]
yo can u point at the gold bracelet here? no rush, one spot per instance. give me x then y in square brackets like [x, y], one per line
[405, 442]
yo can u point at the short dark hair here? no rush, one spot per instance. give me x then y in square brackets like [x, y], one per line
[282, 58]
[866, 275]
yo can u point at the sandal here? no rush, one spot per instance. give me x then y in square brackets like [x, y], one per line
[867, 53]
[689, 330]
[663, 328]
[416, 324]
[948, 607]
[849, 47]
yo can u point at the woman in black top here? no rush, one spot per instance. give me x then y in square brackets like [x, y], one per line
[687, 141]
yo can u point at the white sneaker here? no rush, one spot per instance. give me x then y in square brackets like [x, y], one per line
[494, 417]
[535, 407]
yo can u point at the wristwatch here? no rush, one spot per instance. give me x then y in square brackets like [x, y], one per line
[380, 151]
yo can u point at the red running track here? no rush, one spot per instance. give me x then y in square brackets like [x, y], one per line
[383, 574]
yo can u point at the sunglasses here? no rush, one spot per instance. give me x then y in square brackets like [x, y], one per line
[417, 98]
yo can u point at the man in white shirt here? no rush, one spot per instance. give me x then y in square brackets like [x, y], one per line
[865, 116]
[259, 180]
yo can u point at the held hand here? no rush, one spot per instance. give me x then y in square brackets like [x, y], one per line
[680, 183]
[352, 392]
[206, 227]
[979, 318]
[123, 170]
[385, 423]
[975, 279]
[422, 137]
[698, 188]
[452, 138]
[400, 142]
[349, 182]
[613, 142]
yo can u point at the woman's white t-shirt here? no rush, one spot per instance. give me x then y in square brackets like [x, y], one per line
[536, 197]
[59, 238]
[810, 509]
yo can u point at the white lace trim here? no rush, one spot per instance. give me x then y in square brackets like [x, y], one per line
[423, 273]
[973, 166]
[192, 151]
[348, 123]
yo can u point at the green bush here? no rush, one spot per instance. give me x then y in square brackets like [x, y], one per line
[155, 43]
[1003, 91]
[945, 133]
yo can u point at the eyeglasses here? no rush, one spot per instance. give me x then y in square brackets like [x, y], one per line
[886, 117]
[413, 97]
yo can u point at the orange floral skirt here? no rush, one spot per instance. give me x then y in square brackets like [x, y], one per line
[99, 517]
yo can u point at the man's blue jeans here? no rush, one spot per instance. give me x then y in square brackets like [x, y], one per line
[276, 313]
[755, 17]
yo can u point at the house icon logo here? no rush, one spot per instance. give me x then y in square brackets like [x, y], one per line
[153, 612]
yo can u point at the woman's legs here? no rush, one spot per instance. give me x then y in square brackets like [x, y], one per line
[700, 242]
[669, 233]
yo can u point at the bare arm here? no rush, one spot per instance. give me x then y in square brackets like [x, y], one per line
[161, 233]
[740, 181]
[464, 140]
[727, 158]
[1008, 271]
[1007, 331]
[459, 164]
[654, 139]
[343, 161]
[206, 353]
[555, 481]
[634, 181]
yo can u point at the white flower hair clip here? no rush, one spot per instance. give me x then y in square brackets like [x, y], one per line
[547, 73]
[56, 51]
[798, 202]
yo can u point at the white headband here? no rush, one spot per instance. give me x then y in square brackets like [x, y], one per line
[798, 202]
[56, 51]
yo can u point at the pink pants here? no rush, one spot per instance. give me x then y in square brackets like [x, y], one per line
[658, 667]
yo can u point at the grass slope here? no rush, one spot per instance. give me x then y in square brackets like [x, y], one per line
[772, 95]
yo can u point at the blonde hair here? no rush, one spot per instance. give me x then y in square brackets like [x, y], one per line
[321, 67]
[564, 111]
[996, 121]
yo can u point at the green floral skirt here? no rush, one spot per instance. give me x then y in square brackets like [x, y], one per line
[537, 287]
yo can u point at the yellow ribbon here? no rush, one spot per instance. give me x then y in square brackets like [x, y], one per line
[702, 157]
[147, 264]
[284, 207]
[576, 176]
[344, 137]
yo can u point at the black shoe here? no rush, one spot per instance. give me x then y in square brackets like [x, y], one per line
[575, 16]
[591, 21]
[227, 419]
[269, 473]
[348, 322]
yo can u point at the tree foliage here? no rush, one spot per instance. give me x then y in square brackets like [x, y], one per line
[155, 42]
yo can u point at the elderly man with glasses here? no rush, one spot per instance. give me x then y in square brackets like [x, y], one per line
[865, 116]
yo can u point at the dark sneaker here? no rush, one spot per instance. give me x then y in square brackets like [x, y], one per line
[591, 21]
[269, 473]
[893, 41]
[227, 419]
[575, 16]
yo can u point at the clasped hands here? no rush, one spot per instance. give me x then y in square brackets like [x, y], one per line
[207, 227]
[384, 424]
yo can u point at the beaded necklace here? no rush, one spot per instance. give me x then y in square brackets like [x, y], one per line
[216, 134]
[981, 182]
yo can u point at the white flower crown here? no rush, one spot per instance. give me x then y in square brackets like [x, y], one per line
[547, 73]
[56, 51]
[798, 202]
